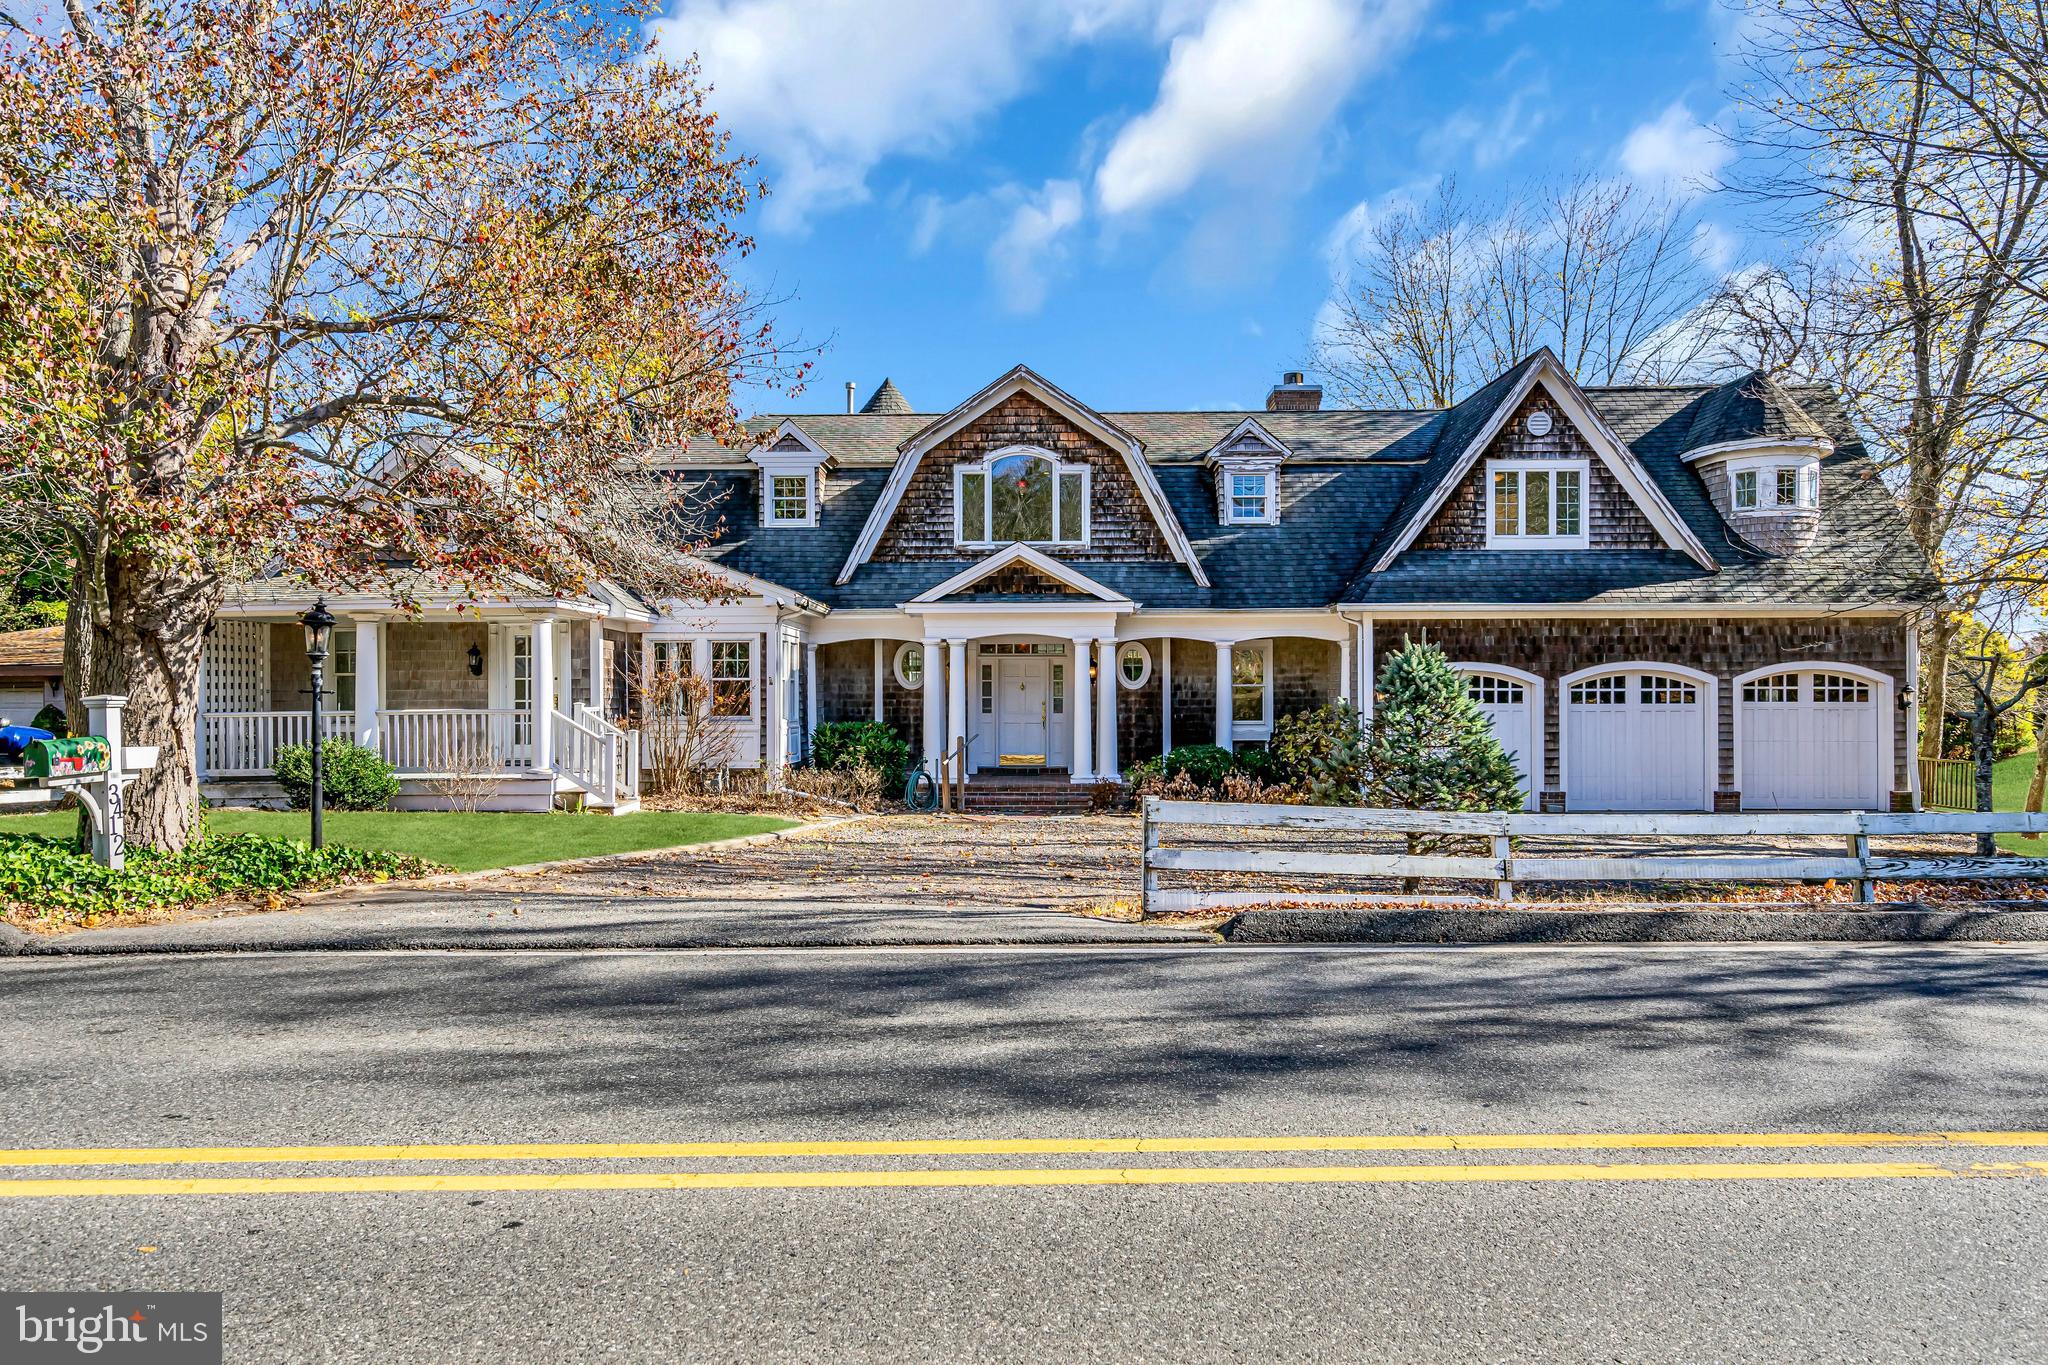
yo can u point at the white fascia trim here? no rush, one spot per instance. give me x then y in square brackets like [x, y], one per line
[765, 455]
[1251, 426]
[1477, 611]
[1804, 447]
[1020, 553]
[1612, 450]
[750, 586]
[1021, 379]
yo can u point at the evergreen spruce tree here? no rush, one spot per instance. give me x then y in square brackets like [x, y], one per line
[1429, 746]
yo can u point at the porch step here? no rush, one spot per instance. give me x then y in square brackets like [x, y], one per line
[1026, 794]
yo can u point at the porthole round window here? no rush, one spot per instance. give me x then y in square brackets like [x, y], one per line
[1133, 666]
[910, 665]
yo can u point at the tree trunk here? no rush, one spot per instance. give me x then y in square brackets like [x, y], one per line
[1982, 728]
[146, 646]
[1934, 684]
[2038, 783]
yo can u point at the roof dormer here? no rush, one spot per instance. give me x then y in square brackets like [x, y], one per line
[1759, 454]
[1247, 467]
[791, 465]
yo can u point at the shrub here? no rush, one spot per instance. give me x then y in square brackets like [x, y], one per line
[51, 718]
[352, 777]
[1311, 746]
[53, 879]
[1430, 746]
[843, 744]
[1206, 765]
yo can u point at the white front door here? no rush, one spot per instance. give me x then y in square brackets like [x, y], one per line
[1021, 694]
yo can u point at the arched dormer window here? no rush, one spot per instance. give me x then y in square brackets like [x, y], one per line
[1020, 493]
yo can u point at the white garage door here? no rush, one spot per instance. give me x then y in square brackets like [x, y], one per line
[1809, 742]
[18, 705]
[1635, 741]
[1512, 709]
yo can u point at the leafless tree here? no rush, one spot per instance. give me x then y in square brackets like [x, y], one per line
[1446, 294]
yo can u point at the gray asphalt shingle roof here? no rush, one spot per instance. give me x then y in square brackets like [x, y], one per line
[1353, 476]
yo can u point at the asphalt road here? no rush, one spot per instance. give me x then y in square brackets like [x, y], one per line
[1697, 1255]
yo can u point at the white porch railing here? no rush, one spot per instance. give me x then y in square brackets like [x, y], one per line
[245, 743]
[451, 740]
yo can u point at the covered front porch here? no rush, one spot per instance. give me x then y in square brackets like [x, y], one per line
[526, 705]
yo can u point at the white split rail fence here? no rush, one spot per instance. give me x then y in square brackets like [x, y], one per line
[1505, 869]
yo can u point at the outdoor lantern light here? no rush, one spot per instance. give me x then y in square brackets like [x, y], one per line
[319, 624]
[476, 662]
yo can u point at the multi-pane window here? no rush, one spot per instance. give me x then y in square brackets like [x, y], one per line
[345, 670]
[522, 689]
[1013, 647]
[789, 498]
[1022, 497]
[1059, 689]
[1491, 691]
[1778, 687]
[910, 666]
[732, 678]
[1608, 691]
[1659, 690]
[1250, 685]
[1788, 487]
[1133, 665]
[1833, 687]
[1251, 497]
[988, 689]
[1538, 502]
[1745, 489]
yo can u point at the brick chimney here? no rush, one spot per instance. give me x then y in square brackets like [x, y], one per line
[1294, 394]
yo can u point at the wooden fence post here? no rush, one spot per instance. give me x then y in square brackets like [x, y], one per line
[1866, 886]
[1504, 889]
[1151, 873]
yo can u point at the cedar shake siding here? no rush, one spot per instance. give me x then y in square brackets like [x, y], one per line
[1613, 521]
[1121, 528]
[846, 688]
[1725, 648]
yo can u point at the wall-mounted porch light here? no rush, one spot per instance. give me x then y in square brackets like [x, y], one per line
[476, 662]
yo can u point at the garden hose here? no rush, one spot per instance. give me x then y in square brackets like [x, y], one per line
[920, 792]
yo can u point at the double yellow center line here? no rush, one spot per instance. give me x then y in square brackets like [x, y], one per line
[894, 1177]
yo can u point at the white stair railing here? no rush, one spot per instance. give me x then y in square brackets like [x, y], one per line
[586, 756]
[622, 753]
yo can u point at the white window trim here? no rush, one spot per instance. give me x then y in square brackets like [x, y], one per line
[810, 513]
[1271, 497]
[1583, 540]
[1766, 469]
[1261, 728]
[988, 462]
[903, 680]
[1146, 676]
[711, 678]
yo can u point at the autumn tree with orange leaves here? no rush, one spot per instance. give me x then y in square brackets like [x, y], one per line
[354, 288]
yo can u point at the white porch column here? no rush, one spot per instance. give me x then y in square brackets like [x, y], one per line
[1166, 694]
[558, 698]
[1347, 669]
[956, 696]
[1084, 716]
[810, 696]
[1368, 675]
[544, 660]
[1223, 713]
[881, 662]
[595, 691]
[369, 679]
[778, 694]
[933, 691]
[1106, 688]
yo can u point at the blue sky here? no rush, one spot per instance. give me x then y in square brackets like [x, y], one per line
[1145, 199]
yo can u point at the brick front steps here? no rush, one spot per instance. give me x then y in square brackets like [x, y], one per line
[1036, 793]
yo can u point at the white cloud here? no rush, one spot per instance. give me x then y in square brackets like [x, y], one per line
[1025, 254]
[1675, 153]
[825, 89]
[1490, 141]
[1246, 95]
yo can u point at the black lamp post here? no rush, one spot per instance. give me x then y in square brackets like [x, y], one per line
[319, 624]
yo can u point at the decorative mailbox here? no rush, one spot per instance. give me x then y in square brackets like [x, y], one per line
[48, 758]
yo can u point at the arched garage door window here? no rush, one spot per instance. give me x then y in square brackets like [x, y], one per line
[1638, 736]
[1513, 703]
[1812, 738]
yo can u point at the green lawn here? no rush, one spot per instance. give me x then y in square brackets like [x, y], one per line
[469, 843]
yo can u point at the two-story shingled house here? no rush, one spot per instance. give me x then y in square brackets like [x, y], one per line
[1683, 598]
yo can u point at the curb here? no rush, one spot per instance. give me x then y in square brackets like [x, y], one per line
[1998, 922]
